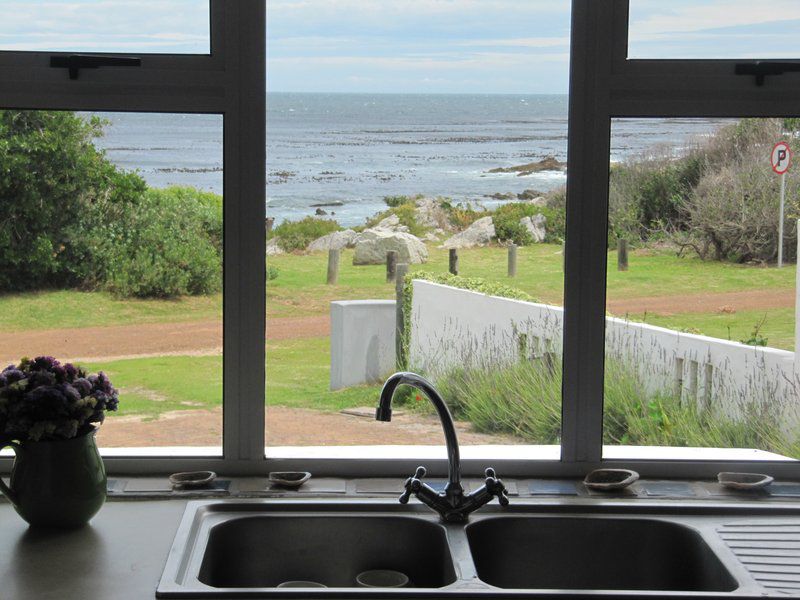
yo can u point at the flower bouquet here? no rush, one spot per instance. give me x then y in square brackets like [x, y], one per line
[48, 415]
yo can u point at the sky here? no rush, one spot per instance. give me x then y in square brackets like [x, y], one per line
[413, 46]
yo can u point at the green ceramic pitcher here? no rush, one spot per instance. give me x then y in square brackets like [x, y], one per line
[58, 483]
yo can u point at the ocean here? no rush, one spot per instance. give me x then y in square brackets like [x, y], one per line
[349, 151]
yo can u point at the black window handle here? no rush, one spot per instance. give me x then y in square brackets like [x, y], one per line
[76, 62]
[761, 68]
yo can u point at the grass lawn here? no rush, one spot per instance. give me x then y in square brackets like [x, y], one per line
[297, 376]
[300, 290]
[777, 327]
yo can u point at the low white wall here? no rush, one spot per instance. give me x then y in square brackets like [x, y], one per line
[453, 327]
[362, 342]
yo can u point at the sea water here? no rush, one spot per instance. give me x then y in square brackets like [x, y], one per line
[349, 151]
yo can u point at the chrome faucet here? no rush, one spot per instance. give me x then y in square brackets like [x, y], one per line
[452, 504]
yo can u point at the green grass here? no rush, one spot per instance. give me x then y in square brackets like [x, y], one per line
[777, 328]
[300, 288]
[68, 309]
[298, 373]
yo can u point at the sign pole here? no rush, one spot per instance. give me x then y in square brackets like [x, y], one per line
[780, 223]
[781, 159]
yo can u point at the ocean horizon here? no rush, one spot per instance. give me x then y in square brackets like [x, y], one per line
[349, 151]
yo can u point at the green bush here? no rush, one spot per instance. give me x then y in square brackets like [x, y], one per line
[407, 215]
[524, 400]
[169, 244]
[297, 235]
[395, 201]
[52, 179]
[508, 228]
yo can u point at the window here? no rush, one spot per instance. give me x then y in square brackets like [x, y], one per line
[140, 26]
[619, 108]
[395, 128]
[713, 29]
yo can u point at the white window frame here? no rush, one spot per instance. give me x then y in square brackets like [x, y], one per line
[231, 81]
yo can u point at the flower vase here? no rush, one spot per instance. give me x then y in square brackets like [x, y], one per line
[59, 483]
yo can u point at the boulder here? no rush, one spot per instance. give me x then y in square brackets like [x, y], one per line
[391, 223]
[334, 241]
[535, 226]
[273, 248]
[373, 244]
[430, 214]
[480, 233]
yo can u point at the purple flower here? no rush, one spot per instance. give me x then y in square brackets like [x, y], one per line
[83, 386]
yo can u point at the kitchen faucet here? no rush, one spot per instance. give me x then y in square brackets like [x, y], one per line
[452, 504]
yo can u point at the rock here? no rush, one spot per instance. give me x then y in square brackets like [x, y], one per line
[273, 248]
[430, 214]
[529, 195]
[549, 163]
[391, 223]
[501, 196]
[539, 202]
[535, 226]
[480, 233]
[328, 204]
[334, 241]
[320, 212]
[373, 244]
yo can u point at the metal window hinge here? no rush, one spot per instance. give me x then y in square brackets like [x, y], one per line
[761, 68]
[76, 62]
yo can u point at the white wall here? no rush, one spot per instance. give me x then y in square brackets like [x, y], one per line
[362, 342]
[451, 327]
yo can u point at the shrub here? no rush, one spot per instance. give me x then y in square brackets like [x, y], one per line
[169, 244]
[297, 235]
[395, 201]
[508, 228]
[524, 400]
[406, 213]
[731, 215]
[51, 180]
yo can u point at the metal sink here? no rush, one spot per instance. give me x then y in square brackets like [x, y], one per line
[532, 549]
[595, 553]
[263, 551]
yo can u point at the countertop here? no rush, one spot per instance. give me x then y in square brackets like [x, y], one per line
[121, 554]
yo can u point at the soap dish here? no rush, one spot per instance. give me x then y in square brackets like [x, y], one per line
[289, 479]
[192, 479]
[606, 480]
[743, 481]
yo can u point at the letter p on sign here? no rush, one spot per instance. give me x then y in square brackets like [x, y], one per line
[781, 158]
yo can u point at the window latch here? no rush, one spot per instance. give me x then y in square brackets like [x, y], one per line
[76, 62]
[761, 68]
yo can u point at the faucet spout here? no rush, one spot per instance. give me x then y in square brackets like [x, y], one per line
[452, 504]
[384, 413]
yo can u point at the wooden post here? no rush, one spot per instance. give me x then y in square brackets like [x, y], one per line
[453, 261]
[708, 384]
[333, 267]
[694, 369]
[400, 321]
[512, 260]
[622, 255]
[391, 266]
[677, 389]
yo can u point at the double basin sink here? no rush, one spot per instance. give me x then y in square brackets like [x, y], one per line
[248, 548]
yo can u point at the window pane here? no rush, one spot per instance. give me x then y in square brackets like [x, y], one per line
[433, 115]
[701, 334]
[708, 29]
[111, 258]
[139, 26]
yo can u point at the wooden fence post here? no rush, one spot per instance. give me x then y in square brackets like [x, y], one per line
[512, 260]
[400, 321]
[333, 267]
[622, 255]
[453, 261]
[391, 266]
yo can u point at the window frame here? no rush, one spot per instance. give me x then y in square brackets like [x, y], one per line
[231, 81]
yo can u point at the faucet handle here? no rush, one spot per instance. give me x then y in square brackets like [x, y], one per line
[495, 487]
[413, 484]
